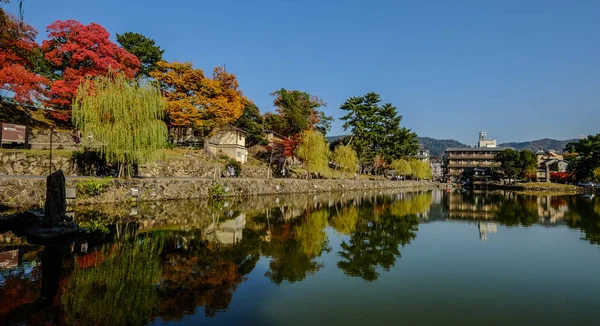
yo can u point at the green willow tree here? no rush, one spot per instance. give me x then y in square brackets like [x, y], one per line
[123, 116]
[314, 151]
[345, 158]
[420, 170]
[402, 167]
[126, 275]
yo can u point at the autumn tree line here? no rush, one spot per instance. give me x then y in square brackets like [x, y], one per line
[134, 102]
[583, 157]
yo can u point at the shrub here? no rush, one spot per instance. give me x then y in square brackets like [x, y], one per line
[94, 225]
[93, 187]
[217, 190]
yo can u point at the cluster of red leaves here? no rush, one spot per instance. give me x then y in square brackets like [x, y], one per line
[17, 61]
[290, 144]
[559, 176]
[75, 51]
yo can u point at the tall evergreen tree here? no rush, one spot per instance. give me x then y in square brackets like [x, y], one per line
[144, 48]
[252, 122]
[376, 130]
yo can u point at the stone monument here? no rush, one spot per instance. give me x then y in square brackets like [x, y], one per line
[55, 208]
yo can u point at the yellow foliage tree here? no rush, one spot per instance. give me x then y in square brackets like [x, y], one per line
[345, 221]
[402, 167]
[420, 170]
[597, 174]
[345, 157]
[196, 101]
[313, 151]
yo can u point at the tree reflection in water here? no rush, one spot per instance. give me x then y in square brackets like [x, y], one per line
[119, 288]
[167, 261]
[378, 233]
[294, 246]
[204, 274]
[584, 213]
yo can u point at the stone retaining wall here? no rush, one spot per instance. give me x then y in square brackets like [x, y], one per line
[25, 193]
[18, 163]
[24, 163]
[197, 168]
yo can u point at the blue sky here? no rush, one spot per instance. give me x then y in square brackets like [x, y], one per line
[520, 70]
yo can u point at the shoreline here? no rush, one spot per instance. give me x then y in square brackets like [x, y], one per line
[535, 187]
[31, 193]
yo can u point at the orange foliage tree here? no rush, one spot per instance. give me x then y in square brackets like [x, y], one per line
[75, 51]
[18, 60]
[196, 101]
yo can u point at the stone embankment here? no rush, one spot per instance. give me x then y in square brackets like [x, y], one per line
[27, 163]
[26, 193]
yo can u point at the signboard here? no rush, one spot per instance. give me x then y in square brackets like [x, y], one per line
[10, 133]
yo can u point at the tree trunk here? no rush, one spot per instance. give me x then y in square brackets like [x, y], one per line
[207, 148]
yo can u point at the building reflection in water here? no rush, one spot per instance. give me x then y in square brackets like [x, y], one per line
[182, 255]
[486, 228]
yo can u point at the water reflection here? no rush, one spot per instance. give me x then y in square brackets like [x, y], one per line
[167, 259]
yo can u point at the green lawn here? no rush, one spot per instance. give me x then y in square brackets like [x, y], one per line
[546, 185]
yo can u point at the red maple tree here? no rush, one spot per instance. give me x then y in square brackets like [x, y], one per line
[559, 176]
[17, 61]
[75, 51]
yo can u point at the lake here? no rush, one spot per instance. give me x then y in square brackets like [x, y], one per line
[373, 258]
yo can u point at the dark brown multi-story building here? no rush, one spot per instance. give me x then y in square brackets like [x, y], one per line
[462, 159]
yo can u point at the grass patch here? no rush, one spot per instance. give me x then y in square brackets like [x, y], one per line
[171, 154]
[58, 152]
[545, 185]
[93, 187]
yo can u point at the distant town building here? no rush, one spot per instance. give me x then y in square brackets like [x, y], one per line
[230, 141]
[437, 171]
[422, 154]
[485, 142]
[272, 139]
[459, 160]
[555, 162]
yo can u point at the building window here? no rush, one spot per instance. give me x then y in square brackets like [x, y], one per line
[239, 154]
[240, 136]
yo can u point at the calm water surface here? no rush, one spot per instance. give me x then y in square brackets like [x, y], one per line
[413, 258]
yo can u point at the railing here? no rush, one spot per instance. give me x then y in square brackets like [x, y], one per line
[464, 157]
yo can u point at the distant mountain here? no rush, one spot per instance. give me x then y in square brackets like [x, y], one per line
[541, 144]
[437, 147]
[331, 139]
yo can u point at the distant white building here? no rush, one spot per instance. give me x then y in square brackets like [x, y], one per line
[486, 228]
[437, 169]
[484, 142]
